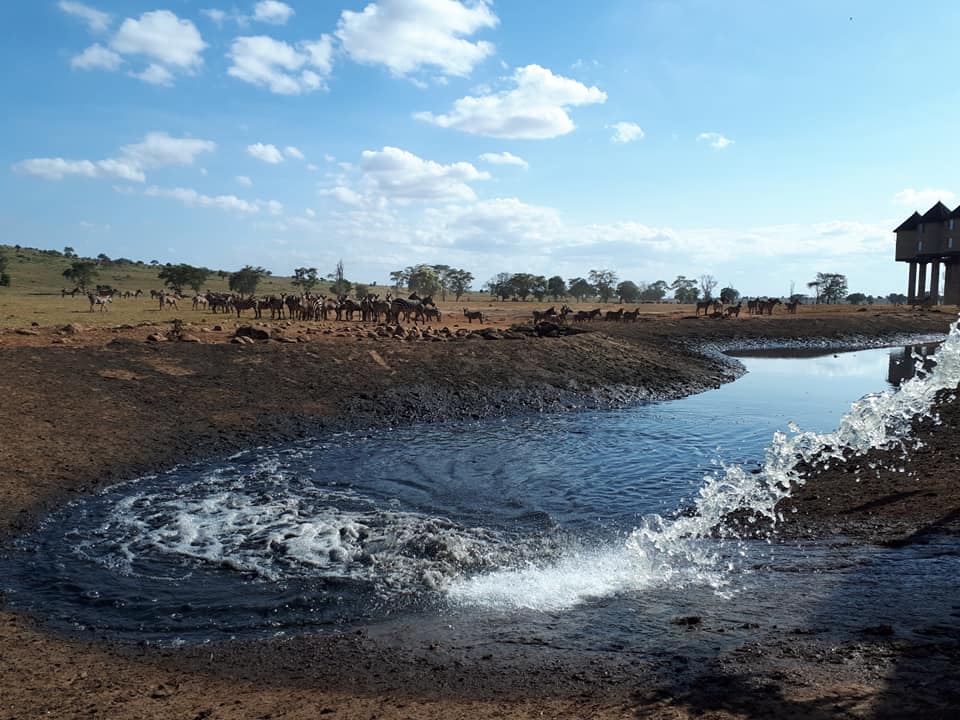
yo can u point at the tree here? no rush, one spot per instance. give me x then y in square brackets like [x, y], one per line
[459, 282]
[399, 279]
[654, 292]
[4, 275]
[81, 273]
[707, 285]
[557, 287]
[897, 299]
[539, 287]
[684, 289]
[177, 276]
[628, 291]
[605, 282]
[360, 290]
[831, 287]
[580, 289]
[857, 299]
[69, 252]
[523, 284]
[424, 280]
[103, 260]
[729, 295]
[499, 286]
[339, 285]
[245, 281]
[305, 278]
[442, 271]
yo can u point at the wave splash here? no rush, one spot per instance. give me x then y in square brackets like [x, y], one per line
[700, 547]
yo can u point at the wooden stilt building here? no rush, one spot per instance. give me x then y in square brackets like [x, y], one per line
[929, 243]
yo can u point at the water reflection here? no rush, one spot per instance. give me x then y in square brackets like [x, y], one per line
[904, 362]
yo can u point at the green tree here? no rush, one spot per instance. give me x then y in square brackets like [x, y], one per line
[580, 289]
[339, 285]
[423, 280]
[897, 299]
[654, 292]
[831, 287]
[557, 287]
[399, 279]
[361, 291]
[605, 282]
[539, 287]
[442, 271]
[81, 273]
[628, 291]
[459, 282]
[69, 252]
[245, 281]
[857, 298]
[176, 277]
[4, 275]
[500, 286]
[729, 295]
[684, 289]
[523, 285]
[305, 278]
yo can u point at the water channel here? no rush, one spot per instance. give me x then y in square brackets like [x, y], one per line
[575, 521]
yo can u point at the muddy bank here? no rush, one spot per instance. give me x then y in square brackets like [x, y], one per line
[108, 406]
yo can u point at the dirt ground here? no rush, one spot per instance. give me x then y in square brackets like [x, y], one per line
[83, 407]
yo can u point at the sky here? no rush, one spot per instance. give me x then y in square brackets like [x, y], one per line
[757, 142]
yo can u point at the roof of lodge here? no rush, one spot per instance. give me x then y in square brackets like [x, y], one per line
[911, 223]
[938, 213]
[956, 213]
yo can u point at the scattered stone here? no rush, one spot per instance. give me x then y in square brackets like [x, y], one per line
[248, 331]
[186, 337]
[73, 329]
[25, 331]
[156, 337]
[218, 328]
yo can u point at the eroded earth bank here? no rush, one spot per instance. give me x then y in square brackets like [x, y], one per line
[99, 406]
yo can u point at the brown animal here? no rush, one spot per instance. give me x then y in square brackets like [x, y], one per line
[734, 310]
[472, 315]
[792, 307]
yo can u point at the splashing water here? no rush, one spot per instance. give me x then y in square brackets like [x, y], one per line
[879, 420]
[694, 548]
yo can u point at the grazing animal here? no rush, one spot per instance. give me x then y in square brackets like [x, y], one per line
[250, 303]
[472, 315]
[200, 302]
[631, 316]
[704, 305]
[734, 310]
[412, 305]
[167, 301]
[792, 307]
[614, 315]
[102, 301]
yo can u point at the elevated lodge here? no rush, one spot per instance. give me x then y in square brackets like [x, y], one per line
[926, 242]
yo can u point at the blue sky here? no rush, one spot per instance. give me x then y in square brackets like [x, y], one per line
[758, 142]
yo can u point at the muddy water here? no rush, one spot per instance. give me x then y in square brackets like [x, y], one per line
[512, 529]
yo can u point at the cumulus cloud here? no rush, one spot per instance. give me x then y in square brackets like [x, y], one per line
[624, 132]
[96, 57]
[399, 175]
[157, 149]
[504, 158]
[217, 16]
[97, 21]
[923, 200]
[268, 153]
[716, 140]
[293, 152]
[409, 35]
[535, 108]
[344, 195]
[272, 11]
[280, 67]
[191, 198]
[243, 180]
[155, 75]
[163, 37]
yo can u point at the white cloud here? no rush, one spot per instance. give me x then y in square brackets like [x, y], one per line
[293, 152]
[344, 195]
[504, 158]
[161, 36]
[271, 206]
[217, 16]
[625, 132]
[280, 67]
[97, 21]
[155, 75]
[267, 153]
[716, 140]
[272, 11]
[396, 174]
[408, 35]
[535, 108]
[191, 198]
[923, 200]
[157, 149]
[243, 180]
[310, 212]
[312, 168]
[96, 57]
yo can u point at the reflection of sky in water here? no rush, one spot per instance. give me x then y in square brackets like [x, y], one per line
[866, 364]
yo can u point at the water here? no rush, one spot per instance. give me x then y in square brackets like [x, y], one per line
[604, 518]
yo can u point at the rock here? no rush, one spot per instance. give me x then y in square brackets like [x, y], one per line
[156, 337]
[248, 331]
[218, 328]
[25, 331]
[73, 329]
[284, 339]
[186, 337]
